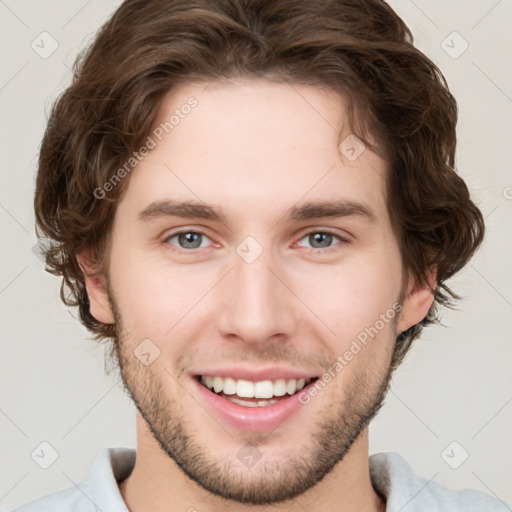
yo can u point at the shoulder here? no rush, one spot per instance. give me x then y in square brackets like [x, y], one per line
[68, 500]
[99, 492]
[394, 478]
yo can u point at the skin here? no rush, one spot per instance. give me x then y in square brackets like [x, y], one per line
[255, 149]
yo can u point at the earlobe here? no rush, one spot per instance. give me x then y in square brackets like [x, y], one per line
[96, 289]
[417, 302]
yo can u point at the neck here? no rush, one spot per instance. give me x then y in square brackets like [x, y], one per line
[158, 484]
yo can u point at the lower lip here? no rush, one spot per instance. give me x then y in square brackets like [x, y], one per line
[251, 419]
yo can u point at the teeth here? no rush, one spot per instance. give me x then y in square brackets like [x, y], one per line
[229, 386]
[218, 383]
[248, 389]
[245, 389]
[264, 389]
[259, 403]
[280, 387]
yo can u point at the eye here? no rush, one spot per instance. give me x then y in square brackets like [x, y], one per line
[188, 239]
[322, 240]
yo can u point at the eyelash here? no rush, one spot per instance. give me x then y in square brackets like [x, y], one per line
[314, 231]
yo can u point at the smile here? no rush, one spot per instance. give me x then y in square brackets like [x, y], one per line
[251, 406]
[253, 394]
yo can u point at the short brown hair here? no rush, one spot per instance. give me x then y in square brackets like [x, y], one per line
[359, 48]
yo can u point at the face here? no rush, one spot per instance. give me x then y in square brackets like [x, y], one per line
[270, 288]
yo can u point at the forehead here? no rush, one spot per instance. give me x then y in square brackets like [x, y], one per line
[255, 146]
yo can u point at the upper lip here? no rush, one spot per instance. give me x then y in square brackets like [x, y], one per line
[254, 375]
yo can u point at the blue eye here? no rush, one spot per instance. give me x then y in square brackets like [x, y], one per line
[188, 239]
[322, 239]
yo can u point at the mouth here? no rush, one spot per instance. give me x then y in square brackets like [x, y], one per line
[253, 394]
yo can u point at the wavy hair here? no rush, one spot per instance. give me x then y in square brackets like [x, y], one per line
[400, 106]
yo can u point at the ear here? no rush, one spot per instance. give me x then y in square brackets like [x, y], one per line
[96, 289]
[417, 302]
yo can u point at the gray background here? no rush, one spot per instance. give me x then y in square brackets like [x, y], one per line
[455, 386]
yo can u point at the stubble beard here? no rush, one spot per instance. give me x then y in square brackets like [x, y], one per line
[265, 483]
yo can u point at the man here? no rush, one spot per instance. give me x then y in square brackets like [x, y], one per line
[256, 203]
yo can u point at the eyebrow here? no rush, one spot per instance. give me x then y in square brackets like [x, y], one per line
[306, 211]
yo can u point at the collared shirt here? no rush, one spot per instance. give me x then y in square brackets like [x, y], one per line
[390, 474]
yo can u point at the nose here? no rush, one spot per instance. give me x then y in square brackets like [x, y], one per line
[256, 303]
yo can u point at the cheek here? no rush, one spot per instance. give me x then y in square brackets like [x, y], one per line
[362, 313]
[153, 296]
[353, 295]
